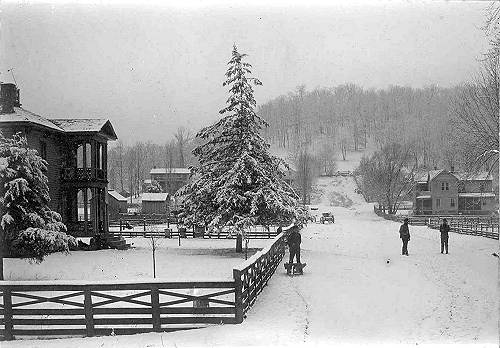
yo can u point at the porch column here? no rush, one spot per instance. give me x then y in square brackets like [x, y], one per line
[105, 160]
[85, 212]
[93, 158]
[84, 156]
[93, 210]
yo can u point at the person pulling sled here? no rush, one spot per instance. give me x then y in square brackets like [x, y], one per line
[293, 241]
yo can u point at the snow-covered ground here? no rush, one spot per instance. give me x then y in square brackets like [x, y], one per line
[357, 290]
[189, 262]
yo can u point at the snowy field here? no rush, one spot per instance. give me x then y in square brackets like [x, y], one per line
[195, 259]
[357, 290]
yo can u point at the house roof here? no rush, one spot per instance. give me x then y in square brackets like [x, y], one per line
[21, 115]
[170, 170]
[116, 196]
[481, 176]
[148, 181]
[154, 197]
[435, 172]
[424, 197]
[86, 125]
[463, 176]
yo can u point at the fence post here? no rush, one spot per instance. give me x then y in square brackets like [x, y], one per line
[144, 224]
[155, 308]
[89, 313]
[7, 310]
[238, 296]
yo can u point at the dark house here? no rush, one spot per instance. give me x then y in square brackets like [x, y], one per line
[154, 203]
[170, 179]
[76, 153]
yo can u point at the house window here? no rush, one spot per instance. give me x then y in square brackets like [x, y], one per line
[444, 186]
[438, 203]
[43, 150]
[452, 202]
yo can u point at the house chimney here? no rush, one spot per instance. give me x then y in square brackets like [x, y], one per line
[435, 167]
[9, 97]
[452, 169]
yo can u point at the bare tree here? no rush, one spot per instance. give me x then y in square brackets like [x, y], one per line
[154, 242]
[477, 112]
[183, 136]
[386, 176]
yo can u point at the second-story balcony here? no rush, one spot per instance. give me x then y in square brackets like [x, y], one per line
[83, 174]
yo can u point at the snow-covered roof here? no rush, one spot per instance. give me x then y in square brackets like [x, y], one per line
[154, 197]
[473, 177]
[424, 197]
[433, 173]
[170, 170]
[21, 115]
[476, 194]
[86, 125]
[117, 196]
[148, 181]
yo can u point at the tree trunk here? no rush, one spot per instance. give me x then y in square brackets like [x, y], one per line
[239, 243]
[2, 246]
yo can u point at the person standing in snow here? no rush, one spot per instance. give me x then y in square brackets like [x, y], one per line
[444, 228]
[293, 241]
[404, 234]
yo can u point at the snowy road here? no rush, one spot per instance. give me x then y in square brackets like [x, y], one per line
[350, 294]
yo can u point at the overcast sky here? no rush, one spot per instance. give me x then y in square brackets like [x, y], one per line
[152, 69]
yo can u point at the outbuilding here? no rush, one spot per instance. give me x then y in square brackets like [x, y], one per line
[154, 203]
[116, 204]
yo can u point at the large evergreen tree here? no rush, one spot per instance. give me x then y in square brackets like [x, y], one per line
[30, 228]
[237, 182]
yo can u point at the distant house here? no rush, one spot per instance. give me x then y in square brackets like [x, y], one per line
[170, 179]
[444, 192]
[116, 204]
[154, 203]
[76, 154]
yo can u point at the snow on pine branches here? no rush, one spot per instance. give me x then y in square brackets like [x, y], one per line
[237, 182]
[31, 229]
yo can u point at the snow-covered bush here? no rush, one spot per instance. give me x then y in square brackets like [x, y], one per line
[30, 228]
[36, 243]
[154, 187]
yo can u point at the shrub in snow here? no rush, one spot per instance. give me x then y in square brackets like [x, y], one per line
[31, 229]
[36, 243]
[237, 183]
[154, 187]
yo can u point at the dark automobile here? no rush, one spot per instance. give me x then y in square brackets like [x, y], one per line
[327, 217]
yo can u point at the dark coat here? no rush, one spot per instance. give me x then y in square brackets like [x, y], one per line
[294, 238]
[444, 229]
[404, 232]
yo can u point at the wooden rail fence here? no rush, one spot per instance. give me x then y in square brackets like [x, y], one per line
[483, 226]
[91, 308]
[252, 276]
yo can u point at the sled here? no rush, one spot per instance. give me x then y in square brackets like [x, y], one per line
[294, 268]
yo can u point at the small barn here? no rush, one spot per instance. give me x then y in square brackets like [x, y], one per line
[154, 203]
[116, 204]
